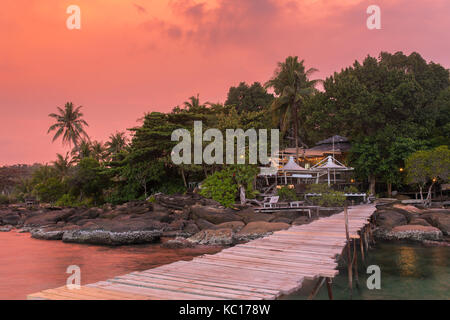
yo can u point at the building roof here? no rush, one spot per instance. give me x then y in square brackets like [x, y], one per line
[336, 139]
[292, 166]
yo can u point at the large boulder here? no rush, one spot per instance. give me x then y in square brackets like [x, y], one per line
[190, 229]
[219, 237]
[233, 225]
[411, 232]
[102, 237]
[439, 219]
[49, 218]
[45, 234]
[202, 224]
[10, 218]
[213, 214]
[249, 215]
[178, 243]
[259, 229]
[389, 219]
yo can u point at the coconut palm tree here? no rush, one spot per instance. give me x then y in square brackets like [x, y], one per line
[69, 124]
[292, 87]
[98, 151]
[82, 150]
[193, 104]
[117, 143]
[62, 165]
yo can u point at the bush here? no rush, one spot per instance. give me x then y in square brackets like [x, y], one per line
[67, 200]
[287, 194]
[351, 189]
[329, 197]
[220, 187]
[4, 199]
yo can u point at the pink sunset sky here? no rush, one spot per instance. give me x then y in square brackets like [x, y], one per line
[132, 57]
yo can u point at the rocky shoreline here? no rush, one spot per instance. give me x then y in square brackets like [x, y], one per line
[187, 219]
[396, 221]
[191, 220]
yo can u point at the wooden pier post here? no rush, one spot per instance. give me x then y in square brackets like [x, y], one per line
[349, 255]
[330, 291]
[355, 263]
[361, 245]
[317, 287]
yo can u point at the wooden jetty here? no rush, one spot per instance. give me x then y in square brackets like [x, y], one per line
[264, 268]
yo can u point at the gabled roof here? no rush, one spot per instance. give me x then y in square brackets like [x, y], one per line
[336, 139]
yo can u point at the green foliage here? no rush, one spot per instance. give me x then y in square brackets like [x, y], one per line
[220, 187]
[50, 190]
[89, 180]
[351, 189]
[287, 194]
[387, 106]
[67, 200]
[318, 188]
[249, 98]
[328, 198]
[331, 199]
[425, 165]
[4, 199]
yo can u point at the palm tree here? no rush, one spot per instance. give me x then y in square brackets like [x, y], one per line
[117, 143]
[98, 151]
[69, 124]
[193, 103]
[82, 150]
[62, 165]
[292, 86]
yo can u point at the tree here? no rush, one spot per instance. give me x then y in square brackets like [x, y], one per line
[249, 98]
[377, 102]
[89, 180]
[69, 124]
[292, 88]
[116, 144]
[62, 165]
[98, 151]
[428, 166]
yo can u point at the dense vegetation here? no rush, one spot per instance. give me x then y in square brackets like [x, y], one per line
[393, 108]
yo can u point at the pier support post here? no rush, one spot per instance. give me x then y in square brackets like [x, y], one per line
[349, 254]
[330, 291]
[355, 263]
[317, 287]
[361, 245]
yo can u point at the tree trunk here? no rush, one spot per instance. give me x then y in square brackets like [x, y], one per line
[428, 200]
[421, 193]
[184, 177]
[242, 194]
[389, 189]
[372, 184]
[296, 133]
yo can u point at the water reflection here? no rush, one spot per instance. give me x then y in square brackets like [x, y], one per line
[29, 265]
[407, 262]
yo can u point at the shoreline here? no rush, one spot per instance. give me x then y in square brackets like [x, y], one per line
[190, 220]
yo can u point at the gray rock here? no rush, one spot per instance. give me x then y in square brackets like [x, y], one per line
[389, 219]
[213, 237]
[110, 238]
[214, 215]
[47, 234]
[410, 232]
[202, 224]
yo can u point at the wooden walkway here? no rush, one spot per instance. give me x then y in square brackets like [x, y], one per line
[265, 268]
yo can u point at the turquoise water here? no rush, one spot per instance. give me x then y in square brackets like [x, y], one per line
[408, 271]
